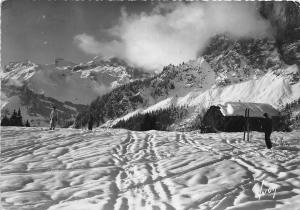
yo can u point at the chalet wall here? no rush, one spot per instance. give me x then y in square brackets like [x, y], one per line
[214, 121]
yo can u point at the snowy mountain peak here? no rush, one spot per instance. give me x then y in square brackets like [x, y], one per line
[19, 65]
[60, 82]
[193, 75]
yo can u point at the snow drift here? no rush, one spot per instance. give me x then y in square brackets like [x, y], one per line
[70, 169]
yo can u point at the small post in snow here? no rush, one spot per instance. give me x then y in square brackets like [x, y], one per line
[246, 125]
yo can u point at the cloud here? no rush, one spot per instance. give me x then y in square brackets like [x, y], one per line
[100, 89]
[175, 32]
[14, 82]
[90, 45]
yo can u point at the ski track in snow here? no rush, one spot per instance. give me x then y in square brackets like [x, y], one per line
[157, 170]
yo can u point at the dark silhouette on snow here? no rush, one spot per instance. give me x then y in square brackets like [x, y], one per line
[14, 120]
[213, 120]
[91, 122]
[27, 124]
[267, 128]
[149, 123]
[217, 118]
[161, 119]
[19, 121]
[53, 118]
[5, 121]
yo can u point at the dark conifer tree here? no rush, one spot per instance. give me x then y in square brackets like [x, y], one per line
[27, 124]
[19, 121]
[91, 122]
[5, 121]
[13, 118]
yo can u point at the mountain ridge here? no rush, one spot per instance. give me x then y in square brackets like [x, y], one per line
[230, 61]
[62, 84]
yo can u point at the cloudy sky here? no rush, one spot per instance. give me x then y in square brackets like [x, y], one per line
[145, 34]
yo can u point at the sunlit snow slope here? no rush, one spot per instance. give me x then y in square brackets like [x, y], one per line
[120, 169]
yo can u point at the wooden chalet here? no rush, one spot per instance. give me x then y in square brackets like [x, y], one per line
[230, 117]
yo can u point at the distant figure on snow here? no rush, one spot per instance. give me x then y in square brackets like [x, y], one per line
[53, 117]
[267, 128]
[90, 122]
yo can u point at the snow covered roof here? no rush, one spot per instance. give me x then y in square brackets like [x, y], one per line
[256, 109]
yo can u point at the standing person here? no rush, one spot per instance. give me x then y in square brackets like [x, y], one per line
[53, 117]
[267, 128]
[90, 122]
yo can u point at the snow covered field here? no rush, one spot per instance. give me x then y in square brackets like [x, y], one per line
[120, 169]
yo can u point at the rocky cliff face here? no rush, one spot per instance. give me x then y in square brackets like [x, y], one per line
[236, 61]
[285, 19]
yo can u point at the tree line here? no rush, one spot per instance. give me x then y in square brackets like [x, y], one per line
[15, 119]
[160, 119]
